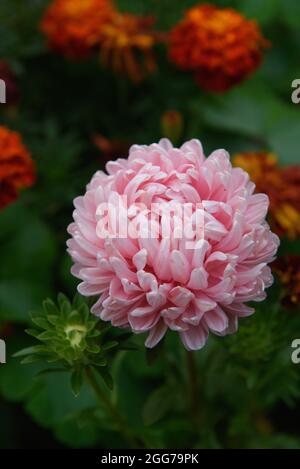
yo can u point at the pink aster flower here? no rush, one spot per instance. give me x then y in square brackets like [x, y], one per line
[193, 284]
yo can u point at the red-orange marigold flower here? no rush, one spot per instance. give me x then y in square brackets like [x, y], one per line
[127, 43]
[73, 26]
[16, 166]
[218, 44]
[282, 184]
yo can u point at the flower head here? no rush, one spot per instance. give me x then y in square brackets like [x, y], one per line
[127, 43]
[73, 26]
[282, 184]
[218, 44]
[16, 166]
[153, 276]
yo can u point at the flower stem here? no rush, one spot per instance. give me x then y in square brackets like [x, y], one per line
[193, 388]
[111, 409]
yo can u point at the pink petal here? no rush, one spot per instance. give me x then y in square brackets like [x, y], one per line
[156, 334]
[179, 267]
[216, 319]
[194, 338]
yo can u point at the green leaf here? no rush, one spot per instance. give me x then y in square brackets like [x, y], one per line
[78, 302]
[238, 111]
[157, 405]
[290, 13]
[64, 303]
[71, 433]
[40, 322]
[110, 345]
[263, 12]
[93, 348]
[30, 359]
[53, 403]
[33, 332]
[99, 361]
[284, 136]
[47, 335]
[46, 371]
[54, 320]
[106, 376]
[30, 350]
[16, 380]
[50, 307]
[94, 333]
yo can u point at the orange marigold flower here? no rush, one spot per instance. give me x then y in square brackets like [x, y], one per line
[282, 184]
[218, 44]
[288, 271]
[127, 45]
[73, 26]
[16, 166]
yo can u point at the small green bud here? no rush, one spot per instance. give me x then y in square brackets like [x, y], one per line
[76, 334]
[72, 336]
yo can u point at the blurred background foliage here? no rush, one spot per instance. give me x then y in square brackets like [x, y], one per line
[250, 390]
